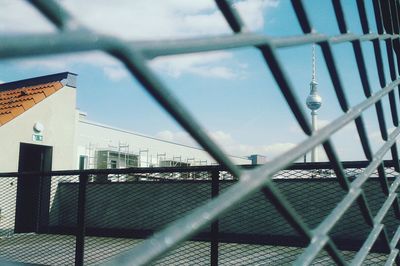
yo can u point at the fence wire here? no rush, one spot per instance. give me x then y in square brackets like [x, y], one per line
[122, 214]
[319, 237]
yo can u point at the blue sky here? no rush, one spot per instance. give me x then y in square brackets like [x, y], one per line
[231, 93]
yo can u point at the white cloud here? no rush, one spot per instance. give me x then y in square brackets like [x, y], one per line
[149, 19]
[296, 129]
[346, 143]
[375, 136]
[138, 19]
[211, 64]
[168, 18]
[252, 12]
[376, 140]
[217, 71]
[229, 144]
[115, 73]
[110, 66]
[146, 19]
[18, 16]
[276, 149]
[222, 137]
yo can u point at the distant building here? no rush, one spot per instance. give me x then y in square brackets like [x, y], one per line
[39, 119]
[257, 159]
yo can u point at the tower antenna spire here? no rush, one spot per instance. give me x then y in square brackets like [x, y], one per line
[313, 63]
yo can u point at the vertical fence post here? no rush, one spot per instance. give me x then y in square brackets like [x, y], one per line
[81, 227]
[214, 225]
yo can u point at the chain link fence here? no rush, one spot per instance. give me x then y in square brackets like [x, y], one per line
[366, 199]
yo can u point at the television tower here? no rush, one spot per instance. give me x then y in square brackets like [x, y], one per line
[314, 102]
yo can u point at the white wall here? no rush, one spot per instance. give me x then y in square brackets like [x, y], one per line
[102, 136]
[57, 114]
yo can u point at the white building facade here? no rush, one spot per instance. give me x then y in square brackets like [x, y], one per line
[54, 123]
[130, 149]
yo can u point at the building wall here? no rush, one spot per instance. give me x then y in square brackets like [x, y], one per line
[99, 136]
[57, 114]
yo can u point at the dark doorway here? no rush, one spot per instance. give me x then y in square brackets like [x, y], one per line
[33, 192]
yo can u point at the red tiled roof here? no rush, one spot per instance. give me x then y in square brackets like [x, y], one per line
[16, 101]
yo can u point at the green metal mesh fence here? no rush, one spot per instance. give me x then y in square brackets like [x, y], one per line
[320, 236]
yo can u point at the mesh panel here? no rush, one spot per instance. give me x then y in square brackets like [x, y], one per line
[39, 249]
[188, 253]
[119, 215]
[101, 249]
[8, 193]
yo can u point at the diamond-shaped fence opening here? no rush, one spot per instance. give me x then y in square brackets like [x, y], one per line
[350, 232]
[188, 253]
[42, 249]
[253, 254]
[253, 218]
[390, 221]
[324, 259]
[8, 196]
[322, 195]
[101, 249]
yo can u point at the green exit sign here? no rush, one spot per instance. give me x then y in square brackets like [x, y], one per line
[37, 137]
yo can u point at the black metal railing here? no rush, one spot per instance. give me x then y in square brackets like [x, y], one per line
[92, 220]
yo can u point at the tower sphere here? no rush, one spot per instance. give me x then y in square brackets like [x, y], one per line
[314, 101]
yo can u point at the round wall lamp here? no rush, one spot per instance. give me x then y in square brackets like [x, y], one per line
[38, 127]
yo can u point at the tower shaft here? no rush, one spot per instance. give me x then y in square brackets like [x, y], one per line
[314, 125]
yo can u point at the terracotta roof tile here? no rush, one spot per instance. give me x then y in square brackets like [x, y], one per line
[48, 91]
[17, 110]
[28, 103]
[18, 100]
[4, 118]
[9, 107]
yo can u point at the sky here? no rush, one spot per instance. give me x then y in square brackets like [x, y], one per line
[231, 93]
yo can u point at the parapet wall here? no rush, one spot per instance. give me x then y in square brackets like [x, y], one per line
[138, 209]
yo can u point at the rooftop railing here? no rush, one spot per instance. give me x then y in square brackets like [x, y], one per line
[92, 217]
